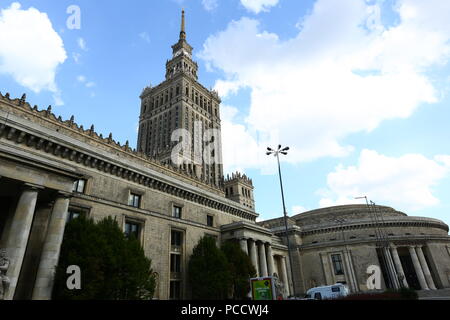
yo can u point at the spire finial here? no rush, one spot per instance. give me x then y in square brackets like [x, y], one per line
[183, 30]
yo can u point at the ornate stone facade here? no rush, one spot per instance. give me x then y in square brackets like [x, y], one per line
[4, 280]
[182, 103]
[53, 170]
[239, 188]
[338, 244]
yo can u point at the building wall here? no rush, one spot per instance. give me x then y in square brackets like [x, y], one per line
[38, 148]
[350, 231]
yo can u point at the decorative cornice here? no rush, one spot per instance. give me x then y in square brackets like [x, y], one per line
[237, 176]
[70, 153]
[151, 90]
[397, 241]
[91, 134]
[403, 222]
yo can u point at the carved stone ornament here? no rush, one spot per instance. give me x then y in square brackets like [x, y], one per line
[4, 280]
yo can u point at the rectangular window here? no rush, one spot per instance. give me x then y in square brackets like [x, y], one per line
[175, 263]
[79, 185]
[337, 264]
[134, 200]
[177, 238]
[175, 290]
[73, 214]
[132, 229]
[176, 212]
[210, 221]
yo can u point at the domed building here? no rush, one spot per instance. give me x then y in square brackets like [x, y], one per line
[347, 244]
[54, 170]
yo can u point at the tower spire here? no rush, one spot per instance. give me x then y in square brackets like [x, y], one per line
[183, 31]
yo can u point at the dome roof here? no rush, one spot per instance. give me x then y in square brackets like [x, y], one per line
[345, 213]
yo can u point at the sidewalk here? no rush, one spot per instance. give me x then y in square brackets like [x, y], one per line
[441, 294]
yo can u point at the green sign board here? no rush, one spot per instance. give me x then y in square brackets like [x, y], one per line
[262, 288]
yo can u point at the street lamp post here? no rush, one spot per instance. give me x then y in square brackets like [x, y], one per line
[276, 153]
[383, 244]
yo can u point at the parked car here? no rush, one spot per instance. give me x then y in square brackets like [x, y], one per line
[334, 291]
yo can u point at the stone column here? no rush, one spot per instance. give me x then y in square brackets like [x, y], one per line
[398, 266]
[270, 263]
[284, 275]
[426, 270]
[418, 268]
[254, 255]
[243, 243]
[18, 235]
[50, 252]
[391, 268]
[262, 259]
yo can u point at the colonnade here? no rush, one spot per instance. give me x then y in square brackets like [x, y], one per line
[420, 266]
[18, 235]
[264, 261]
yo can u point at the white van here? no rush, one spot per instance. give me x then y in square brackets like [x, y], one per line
[334, 291]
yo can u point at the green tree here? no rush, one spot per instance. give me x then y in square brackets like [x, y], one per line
[112, 266]
[240, 267]
[209, 275]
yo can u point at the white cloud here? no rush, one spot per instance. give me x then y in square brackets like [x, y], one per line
[145, 36]
[210, 5]
[405, 182]
[297, 210]
[82, 44]
[257, 6]
[87, 84]
[226, 88]
[444, 159]
[240, 148]
[343, 73]
[81, 78]
[76, 57]
[30, 49]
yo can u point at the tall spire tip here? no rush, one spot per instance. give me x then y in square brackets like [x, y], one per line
[183, 29]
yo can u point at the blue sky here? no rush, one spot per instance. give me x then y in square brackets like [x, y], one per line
[358, 89]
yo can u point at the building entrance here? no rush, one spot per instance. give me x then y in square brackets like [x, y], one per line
[408, 268]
